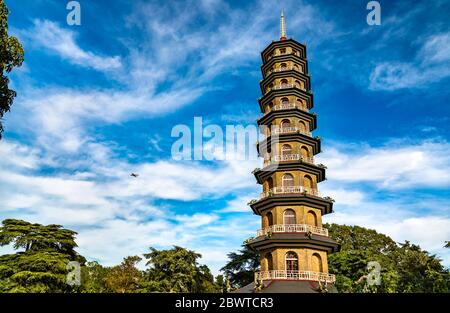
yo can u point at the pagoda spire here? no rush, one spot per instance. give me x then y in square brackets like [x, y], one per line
[282, 27]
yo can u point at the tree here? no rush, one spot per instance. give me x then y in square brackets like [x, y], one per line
[176, 270]
[125, 278]
[404, 267]
[93, 278]
[420, 272]
[42, 266]
[242, 266]
[11, 55]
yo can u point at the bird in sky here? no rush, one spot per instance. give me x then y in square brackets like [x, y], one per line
[134, 175]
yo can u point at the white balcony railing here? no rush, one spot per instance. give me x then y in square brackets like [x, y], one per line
[290, 190]
[283, 86]
[289, 130]
[288, 106]
[287, 158]
[292, 228]
[279, 53]
[295, 275]
[283, 69]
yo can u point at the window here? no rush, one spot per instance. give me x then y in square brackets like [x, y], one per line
[269, 183]
[304, 152]
[311, 218]
[291, 261]
[289, 217]
[307, 181]
[283, 66]
[284, 83]
[282, 51]
[285, 124]
[269, 261]
[286, 150]
[316, 263]
[302, 126]
[284, 101]
[269, 217]
[288, 180]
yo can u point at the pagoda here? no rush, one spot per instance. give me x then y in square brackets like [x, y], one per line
[292, 244]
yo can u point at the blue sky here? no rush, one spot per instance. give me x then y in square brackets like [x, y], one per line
[98, 101]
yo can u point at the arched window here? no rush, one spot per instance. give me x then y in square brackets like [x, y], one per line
[269, 129]
[285, 123]
[316, 263]
[269, 183]
[296, 67]
[311, 218]
[299, 84]
[302, 127]
[289, 217]
[288, 180]
[304, 152]
[291, 261]
[307, 181]
[269, 219]
[283, 66]
[286, 150]
[284, 101]
[284, 83]
[269, 261]
[282, 51]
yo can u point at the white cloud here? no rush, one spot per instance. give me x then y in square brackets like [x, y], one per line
[392, 166]
[431, 64]
[51, 36]
[429, 232]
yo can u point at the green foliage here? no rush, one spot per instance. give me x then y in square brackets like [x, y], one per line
[176, 270]
[404, 267]
[11, 55]
[41, 267]
[242, 266]
[36, 237]
[125, 278]
[93, 278]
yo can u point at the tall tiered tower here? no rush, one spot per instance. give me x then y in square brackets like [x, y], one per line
[292, 243]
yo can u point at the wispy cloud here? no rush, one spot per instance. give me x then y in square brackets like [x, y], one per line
[394, 165]
[53, 38]
[431, 64]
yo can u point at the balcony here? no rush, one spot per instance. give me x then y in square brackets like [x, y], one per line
[280, 53]
[290, 130]
[292, 228]
[284, 86]
[288, 158]
[286, 190]
[295, 275]
[288, 106]
[283, 69]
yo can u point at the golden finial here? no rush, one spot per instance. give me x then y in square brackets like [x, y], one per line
[282, 26]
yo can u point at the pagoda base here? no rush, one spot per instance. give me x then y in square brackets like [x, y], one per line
[287, 286]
